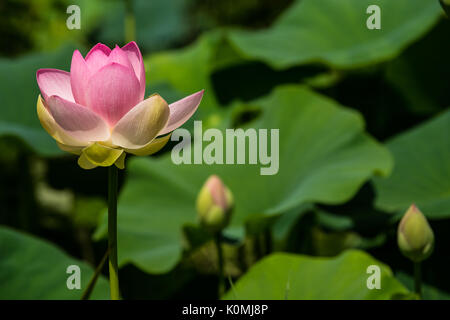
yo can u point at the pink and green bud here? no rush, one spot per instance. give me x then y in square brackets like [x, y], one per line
[415, 237]
[214, 205]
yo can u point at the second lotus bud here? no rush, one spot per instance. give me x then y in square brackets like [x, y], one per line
[214, 204]
[415, 236]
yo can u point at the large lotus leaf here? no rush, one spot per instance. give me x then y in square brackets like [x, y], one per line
[324, 156]
[334, 32]
[297, 277]
[31, 268]
[189, 69]
[19, 92]
[422, 170]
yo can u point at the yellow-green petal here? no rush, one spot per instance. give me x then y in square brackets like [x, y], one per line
[120, 162]
[151, 148]
[71, 149]
[101, 155]
[84, 162]
[141, 124]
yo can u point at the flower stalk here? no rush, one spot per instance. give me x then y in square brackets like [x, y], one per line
[418, 279]
[91, 285]
[220, 262]
[112, 232]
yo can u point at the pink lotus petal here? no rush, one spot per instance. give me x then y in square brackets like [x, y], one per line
[135, 57]
[79, 76]
[97, 57]
[99, 47]
[54, 82]
[217, 190]
[112, 92]
[78, 121]
[141, 124]
[53, 129]
[182, 110]
[121, 57]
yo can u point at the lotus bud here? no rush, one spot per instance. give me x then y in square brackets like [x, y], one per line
[214, 205]
[415, 237]
[446, 6]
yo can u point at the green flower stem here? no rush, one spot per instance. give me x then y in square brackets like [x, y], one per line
[91, 285]
[130, 22]
[418, 279]
[112, 232]
[220, 261]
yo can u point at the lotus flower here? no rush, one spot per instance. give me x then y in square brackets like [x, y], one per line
[98, 111]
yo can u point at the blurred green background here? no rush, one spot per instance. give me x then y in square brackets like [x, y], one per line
[364, 132]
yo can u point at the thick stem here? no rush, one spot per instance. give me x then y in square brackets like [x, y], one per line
[217, 238]
[418, 279]
[112, 232]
